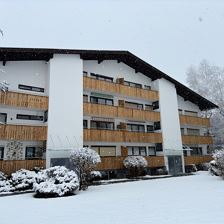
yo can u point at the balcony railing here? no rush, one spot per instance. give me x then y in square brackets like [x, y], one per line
[197, 121]
[119, 112]
[121, 136]
[24, 100]
[197, 159]
[23, 132]
[109, 87]
[196, 139]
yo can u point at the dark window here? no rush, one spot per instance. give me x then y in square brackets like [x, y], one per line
[102, 125]
[134, 105]
[159, 147]
[101, 77]
[85, 73]
[147, 87]
[31, 88]
[180, 111]
[185, 152]
[45, 115]
[151, 151]
[30, 152]
[157, 125]
[148, 107]
[29, 117]
[182, 131]
[150, 128]
[136, 127]
[196, 151]
[1, 153]
[99, 100]
[85, 98]
[85, 125]
[155, 105]
[3, 118]
[136, 150]
[132, 84]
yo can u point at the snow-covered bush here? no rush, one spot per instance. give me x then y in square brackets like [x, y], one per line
[95, 175]
[2, 176]
[219, 161]
[23, 180]
[5, 184]
[135, 165]
[84, 161]
[161, 171]
[191, 168]
[55, 182]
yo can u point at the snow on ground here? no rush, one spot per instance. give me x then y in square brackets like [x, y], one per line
[191, 199]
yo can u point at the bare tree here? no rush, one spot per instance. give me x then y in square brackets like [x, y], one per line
[208, 81]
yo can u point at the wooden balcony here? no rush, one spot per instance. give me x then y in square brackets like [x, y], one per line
[196, 139]
[121, 136]
[197, 159]
[23, 132]
[109, 87]
[112, 163]
[197, 121]
[24, 100]
[10, 166]
[119, 112]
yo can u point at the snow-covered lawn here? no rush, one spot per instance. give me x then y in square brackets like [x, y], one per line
[192, 199]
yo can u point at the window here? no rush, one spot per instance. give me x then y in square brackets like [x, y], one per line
[151, 151]
[105, 150]
[1, 153]
[102, 125]
[157, 125]
[45, 115]
[85, 73]
[180, 111]
[31, 88]
[191, 131]
[29, 117]
[85, 98]
[3, 118]
[185, 152]
[191, 113]
[134, 105]
[155, 105]
[150, 128]
[85, 124]
[182, 131]
[136, 150]
[147, 87]
[101, 77]
[132, 84]
[148, 107]
[99, 100]
[159, 147]
[196, 151]
[30, 152]
[136, 127]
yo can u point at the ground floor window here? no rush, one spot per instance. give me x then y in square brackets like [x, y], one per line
[1, 153]
[105, 150]
[136, 151]
[30, 152]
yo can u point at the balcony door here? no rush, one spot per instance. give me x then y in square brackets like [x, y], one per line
[175, 165]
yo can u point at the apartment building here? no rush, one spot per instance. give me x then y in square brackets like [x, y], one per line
[111, 101]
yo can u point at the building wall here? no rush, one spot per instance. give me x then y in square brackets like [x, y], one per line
[186, 105]
[65, 120]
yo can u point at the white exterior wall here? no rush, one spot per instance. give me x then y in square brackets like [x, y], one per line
[186, 105]
[115, 70]
[31, 73]
[65, 119]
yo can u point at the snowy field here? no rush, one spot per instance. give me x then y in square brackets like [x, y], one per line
[192, 199]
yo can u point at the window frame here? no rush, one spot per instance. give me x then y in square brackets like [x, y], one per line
[33, 153]
[29, 117]
[31, 88]
[2, 149]
[101, 98]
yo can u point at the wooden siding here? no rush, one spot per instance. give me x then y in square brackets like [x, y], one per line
[119, 112]
[197, 121]
[10, 166]
[111, 163]
[109, 87]
[195, 139]
[121, 136]
[24, 100]
[197, 159]
[23, 132]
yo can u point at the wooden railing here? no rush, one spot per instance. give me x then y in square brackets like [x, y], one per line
[198, 121]
[121, 136]
[197, 159]
[112, 163]
[109, 87]
[23, 132]
[10, 166]
[119, 112]
[24, 100]
[196, 139]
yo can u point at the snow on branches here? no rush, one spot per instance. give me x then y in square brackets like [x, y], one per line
[219, 161]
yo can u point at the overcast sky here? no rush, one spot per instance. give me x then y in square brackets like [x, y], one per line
[170, 35]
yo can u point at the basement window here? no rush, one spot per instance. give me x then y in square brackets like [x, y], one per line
[31, 88]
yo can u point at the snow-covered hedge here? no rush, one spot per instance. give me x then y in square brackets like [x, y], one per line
[219, 161]
[5, 184]
[55, 182]
[23, 180]
[95, 175]
[2, 176]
